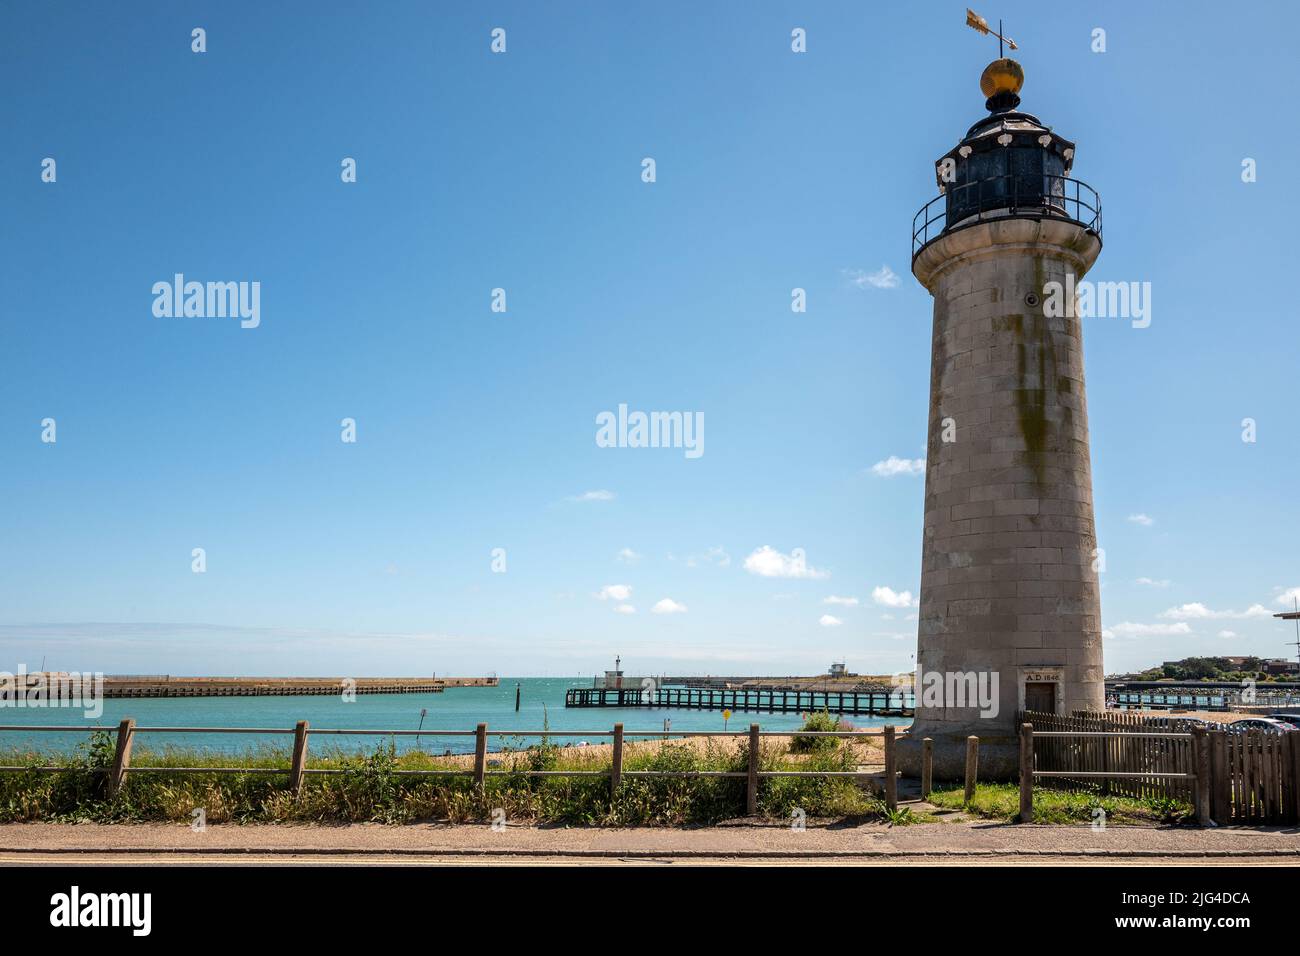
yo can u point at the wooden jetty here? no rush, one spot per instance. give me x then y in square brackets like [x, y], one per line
[847, 683]
[1261, 697]
[879, 703]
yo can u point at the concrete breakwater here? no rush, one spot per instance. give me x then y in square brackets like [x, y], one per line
[168, 686]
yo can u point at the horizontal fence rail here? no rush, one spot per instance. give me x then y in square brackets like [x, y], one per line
[126, 733]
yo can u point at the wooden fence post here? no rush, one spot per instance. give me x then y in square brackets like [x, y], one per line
[616, 768]
[1201, 752]
[1026, 773]
[1294, 737]
[299, 757]
[891, 775]
[480, 755]
[1221, 780]
[751, 785]
[927, 767]
[972, 766]
[121, 757]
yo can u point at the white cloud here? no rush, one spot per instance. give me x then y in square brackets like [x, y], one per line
[842, 601]
[1145, 521]
[1289, 596]
[1187, 612]
[1196, 611]
[600, 494]
[767, 562]
[1151, 583]
[888, 597]
[715, 555]
[668, 606]
[1227, 634]
[827, 621]
[627, 556]
[624, 609]
[1129, 629]
[893, 465]
[882, 278]
[615, 592]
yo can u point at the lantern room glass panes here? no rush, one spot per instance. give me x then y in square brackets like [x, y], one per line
[1021, 177]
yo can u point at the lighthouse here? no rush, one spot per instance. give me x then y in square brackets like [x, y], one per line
[1010, 615]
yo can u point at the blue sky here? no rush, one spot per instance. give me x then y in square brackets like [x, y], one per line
[475, 429]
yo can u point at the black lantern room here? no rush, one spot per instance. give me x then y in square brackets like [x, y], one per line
[1008, 164]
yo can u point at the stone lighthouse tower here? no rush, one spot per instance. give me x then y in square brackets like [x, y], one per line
[1010, 611]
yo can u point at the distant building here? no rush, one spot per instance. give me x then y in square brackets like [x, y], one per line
[617, 680]
[612, 679]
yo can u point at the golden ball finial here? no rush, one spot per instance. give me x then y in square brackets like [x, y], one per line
[1002, 76]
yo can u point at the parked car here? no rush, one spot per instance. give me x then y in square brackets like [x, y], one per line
[1261, 723]
[1292, 719]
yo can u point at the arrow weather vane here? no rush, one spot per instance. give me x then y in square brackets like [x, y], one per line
[977, 22]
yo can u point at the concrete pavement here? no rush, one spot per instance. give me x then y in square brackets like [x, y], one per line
[960, 842]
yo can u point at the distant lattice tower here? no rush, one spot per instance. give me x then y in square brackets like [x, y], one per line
[1008, 581]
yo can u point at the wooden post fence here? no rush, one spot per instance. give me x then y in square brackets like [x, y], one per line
[121, 757]
[480, 754]
[927, 767]
[751, 784]
[972, 766]
[299, 757]
[1026, 773]
[891, 775]
[616, 767]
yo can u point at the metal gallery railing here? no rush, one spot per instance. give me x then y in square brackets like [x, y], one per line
[1012, 196]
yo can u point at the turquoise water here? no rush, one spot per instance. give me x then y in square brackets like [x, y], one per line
[457, 708]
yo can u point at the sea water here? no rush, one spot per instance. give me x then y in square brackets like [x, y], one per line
[456, 708]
